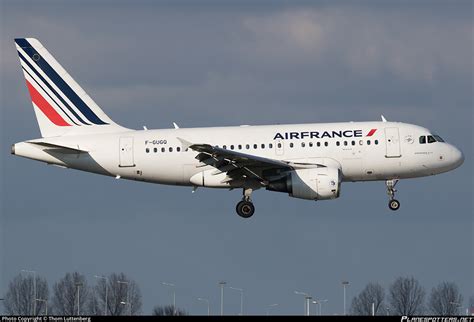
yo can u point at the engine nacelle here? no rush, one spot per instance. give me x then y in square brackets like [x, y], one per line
[209, 179]
[311, 184]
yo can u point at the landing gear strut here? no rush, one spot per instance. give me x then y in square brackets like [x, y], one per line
[245, 208]
[393, 204]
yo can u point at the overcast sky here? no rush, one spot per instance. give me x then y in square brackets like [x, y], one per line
[213, 63]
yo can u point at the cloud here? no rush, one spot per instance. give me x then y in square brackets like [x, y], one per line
[316, 60]
[368, 42]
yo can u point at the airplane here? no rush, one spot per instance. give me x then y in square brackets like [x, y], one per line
[306, 161]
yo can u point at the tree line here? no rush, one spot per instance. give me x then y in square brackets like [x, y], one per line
[406, 296]
[115, 294]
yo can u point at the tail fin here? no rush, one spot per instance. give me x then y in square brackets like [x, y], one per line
[61, 106]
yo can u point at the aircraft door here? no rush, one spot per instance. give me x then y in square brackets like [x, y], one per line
[279, 147]
[126, 152]
[392, 142]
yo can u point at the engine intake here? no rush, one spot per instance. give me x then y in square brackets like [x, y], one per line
[311, 184]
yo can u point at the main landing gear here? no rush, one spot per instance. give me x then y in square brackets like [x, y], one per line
[245, 208]
[393, 204]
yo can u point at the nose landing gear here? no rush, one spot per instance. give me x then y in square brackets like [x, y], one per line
[245, 208]
[393, 204]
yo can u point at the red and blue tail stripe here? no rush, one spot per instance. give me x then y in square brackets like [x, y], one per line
[51, 89]
[45, 107]
[88, 116]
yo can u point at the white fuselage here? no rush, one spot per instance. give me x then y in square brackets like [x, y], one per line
[391, 151]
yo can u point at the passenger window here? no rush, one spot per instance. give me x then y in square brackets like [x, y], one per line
[178, 149]
[232, 147]
[255, 146]
[155, 150]
[326, 144]
[302, 144]
[247, 146]
[338, 143]
[345, 142]
[291, 144]
[310, 144]
[368, 142]
[318, 144]
[240, 146]
[279, 145]
[271, 146]
[431, 139]
[376, 142]
[147, 150]
[263, 146]
[171, 149]
[422, 139]
[361, 142]
[353, 142]
[224, 147]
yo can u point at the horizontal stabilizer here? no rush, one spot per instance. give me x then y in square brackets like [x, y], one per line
[59, 148]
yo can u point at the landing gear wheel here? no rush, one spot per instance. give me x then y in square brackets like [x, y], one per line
[245, 209]
[394, 204]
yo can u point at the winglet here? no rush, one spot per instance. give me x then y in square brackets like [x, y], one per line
[186, 144]
[175, 125]
[383, 118]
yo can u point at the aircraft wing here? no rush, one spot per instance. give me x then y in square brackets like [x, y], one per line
[241, 166]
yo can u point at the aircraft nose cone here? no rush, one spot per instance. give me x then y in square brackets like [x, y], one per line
[457, 157]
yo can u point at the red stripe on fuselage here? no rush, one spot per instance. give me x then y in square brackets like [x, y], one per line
[45, 107]
[371, 132]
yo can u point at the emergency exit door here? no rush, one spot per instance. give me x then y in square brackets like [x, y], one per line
[279, 147]
[126, 152]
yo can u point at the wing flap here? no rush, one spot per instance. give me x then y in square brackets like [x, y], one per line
[238, 166]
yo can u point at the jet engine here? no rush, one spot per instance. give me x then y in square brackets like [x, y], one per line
[312, 184]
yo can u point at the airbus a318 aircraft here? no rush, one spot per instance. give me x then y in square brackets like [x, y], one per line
[307, 161]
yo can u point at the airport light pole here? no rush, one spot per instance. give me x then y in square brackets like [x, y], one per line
[129, 306]
[106, 281]
[316, 302]
[270, 306]
[34, 288]
[174, 295]
[320, 302]
[78, 285]
[45, 303]
[241, 298]
[344, 284]
[306, 300]
[208, 307]
[128, 295]
[222, 285]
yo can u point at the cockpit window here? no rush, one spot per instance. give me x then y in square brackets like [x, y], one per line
[422, 139]
[438, 138]
[431, 139]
